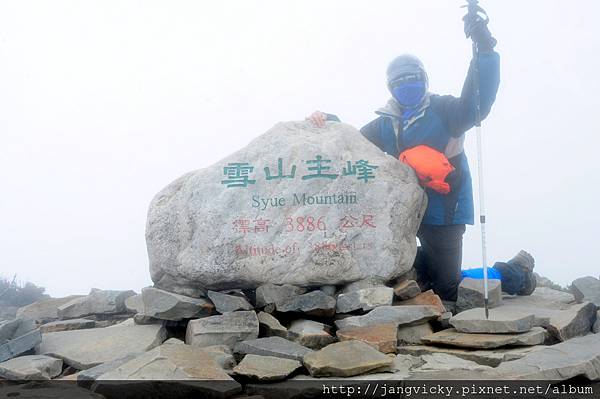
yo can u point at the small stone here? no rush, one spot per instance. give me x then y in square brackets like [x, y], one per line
[314, 303]
[471, 294]
[226, 329]
[266, 368]
[65, 325]
[365, 299]
[270, 326]
[552, 295]
[228, 303]
[400, 315]
[425, 298]
[311, 334]
[346, 359]
[411, 335]
[96, 302]
[407, 289]
[135, 304]
[31, 367]
[272, 346]
[270, 293]
[328, 290]
[501, 320]
[451, 337]
[381, 337]
[165, 305]
[143, 319]
[587, 289]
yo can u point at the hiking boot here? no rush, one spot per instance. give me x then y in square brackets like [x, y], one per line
[526, 262]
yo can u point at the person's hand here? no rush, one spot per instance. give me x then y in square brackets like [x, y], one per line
[476, 28]
[317, 118]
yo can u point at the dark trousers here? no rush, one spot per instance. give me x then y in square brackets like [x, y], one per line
[439, 259]
[439, 262]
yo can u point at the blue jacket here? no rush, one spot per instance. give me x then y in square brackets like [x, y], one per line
[441, 124]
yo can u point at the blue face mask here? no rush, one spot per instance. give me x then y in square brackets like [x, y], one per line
[409, 94]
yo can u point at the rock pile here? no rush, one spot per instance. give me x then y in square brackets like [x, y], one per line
[239, 339]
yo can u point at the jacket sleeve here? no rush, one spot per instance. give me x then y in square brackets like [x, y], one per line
[371, 132]
[461, 113]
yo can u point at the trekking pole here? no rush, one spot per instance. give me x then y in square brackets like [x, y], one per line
[473, 7]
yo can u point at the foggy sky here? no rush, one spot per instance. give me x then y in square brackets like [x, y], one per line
[103, 103]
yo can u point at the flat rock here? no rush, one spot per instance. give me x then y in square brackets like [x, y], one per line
[166, 305]
[486, 357]
[270, 326]
[577, 357]
[451, 337]
[407, 289]
[135, 304]
[96, 302]
[401, 315]
[364, 299]
[501, 320]
[374, 204]
[425, 298]
[575, 322]
[447, 362]
[381, 337]
[471, 294]
[65, 325]
[86, 378]
[272, 346]
[19, 345]
[83, 349]
[31, 367]
[44, 310]
[142, 319]
[191, 372]
[226, 329]
[346, 359]
[596, 327]
[266, 368]
[314, 303]
[411, 335]
[587, 289]
[269, 293]
[228, 303]
[552, 295]
[10, 329]
[47, 390]
[312, 334]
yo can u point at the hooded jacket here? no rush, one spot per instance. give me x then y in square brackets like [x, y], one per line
[441, 123]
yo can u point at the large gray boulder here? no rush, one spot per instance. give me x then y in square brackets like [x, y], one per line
[299, 205]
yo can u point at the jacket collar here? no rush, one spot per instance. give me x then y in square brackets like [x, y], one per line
[394, 110]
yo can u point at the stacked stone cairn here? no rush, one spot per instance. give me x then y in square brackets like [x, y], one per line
[252, 340]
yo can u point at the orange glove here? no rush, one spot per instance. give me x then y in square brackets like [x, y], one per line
[431, 166]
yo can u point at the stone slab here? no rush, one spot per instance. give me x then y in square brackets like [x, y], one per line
[365, 299]
[451, 337]
[501, 320]
[31, 367]
[470, 294]
[164, 305]
[309, 333]
[407, 289]
[65, 325]
[266, 368]
[228, 303]
[314, 303]
[412, 335]
[226, 329]
[381, 337]
[401, 315]
[20, 345]
[272, 346]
